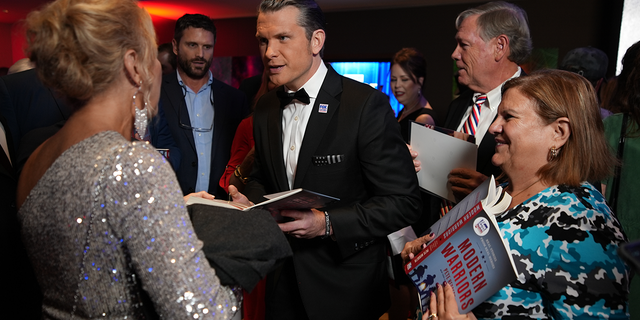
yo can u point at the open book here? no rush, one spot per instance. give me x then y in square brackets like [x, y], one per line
[298, 199]
[468, 251]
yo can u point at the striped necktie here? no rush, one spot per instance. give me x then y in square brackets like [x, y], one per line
[471, 125]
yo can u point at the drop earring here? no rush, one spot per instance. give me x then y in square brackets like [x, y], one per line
[141, 119]
[553, 153]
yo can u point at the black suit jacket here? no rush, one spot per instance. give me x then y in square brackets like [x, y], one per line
[230, 107]
[27, 104]
[377, 186]
[487, 147]
[25, 292]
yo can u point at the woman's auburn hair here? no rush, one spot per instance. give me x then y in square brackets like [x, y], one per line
[78, 46]
[586, 155]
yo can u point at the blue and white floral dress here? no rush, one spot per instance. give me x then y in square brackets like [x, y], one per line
[564, 242]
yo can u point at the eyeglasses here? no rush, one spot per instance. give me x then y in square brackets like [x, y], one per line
[188, 127]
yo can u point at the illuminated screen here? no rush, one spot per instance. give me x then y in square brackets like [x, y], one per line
[375, 74]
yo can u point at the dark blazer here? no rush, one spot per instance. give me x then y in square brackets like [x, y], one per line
[487, 147]
[25, 292]
[27, 104]
[230, 107]
[160, 137]
[344, 278]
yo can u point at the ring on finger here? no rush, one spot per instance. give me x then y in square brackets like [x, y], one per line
[433, 315]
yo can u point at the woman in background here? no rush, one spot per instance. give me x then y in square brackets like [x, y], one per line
[408, 71]
[103, 219]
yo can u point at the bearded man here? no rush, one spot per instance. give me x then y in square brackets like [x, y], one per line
[201, 112]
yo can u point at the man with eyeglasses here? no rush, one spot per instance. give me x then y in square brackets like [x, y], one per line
[201, 112]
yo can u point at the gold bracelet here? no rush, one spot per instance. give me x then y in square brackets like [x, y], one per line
[238, 175]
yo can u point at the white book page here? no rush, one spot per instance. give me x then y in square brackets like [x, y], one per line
[440, 153]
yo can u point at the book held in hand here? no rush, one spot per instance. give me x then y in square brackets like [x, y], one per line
[296, 199]
[441, 150]
[468, 251]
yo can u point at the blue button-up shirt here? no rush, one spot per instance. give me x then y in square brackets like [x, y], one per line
[201, 115]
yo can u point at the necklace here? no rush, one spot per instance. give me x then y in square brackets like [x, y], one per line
[407, 111]
[525, 189]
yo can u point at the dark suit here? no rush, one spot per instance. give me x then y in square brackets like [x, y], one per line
[230, 107]
[343, 278]
[487, 147]
[27, 104]
[25, 292]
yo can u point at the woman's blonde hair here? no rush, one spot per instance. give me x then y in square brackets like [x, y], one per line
[556, 94]
[78, 46]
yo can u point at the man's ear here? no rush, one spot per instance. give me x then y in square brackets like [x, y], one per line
[174, 43]
[501, 47]
[317, 41]
[421, 81]
[562, 131]
[131, 67]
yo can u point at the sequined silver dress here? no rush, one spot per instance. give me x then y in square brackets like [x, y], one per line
[121, 202]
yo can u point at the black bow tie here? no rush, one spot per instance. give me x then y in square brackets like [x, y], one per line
[286, 98]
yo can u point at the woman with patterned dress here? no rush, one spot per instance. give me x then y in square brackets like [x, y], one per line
[562, 235]
[103, 219]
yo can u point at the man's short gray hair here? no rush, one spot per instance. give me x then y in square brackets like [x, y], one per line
[496, 18]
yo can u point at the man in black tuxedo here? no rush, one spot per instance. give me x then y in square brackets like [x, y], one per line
[493, 39]
[202, 112]
[339, 138]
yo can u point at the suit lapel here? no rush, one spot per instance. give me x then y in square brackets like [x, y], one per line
[457, 110]
[318, 122]
[274, 129]
[176, 102]
[219, 116]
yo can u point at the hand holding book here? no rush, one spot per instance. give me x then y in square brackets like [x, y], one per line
[412, 248]
[443, 305]
[467, 251]
[297, 223]
[238, 197]
[294, 210]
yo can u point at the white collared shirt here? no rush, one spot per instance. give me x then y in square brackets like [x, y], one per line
[489, 110]
[295, 117]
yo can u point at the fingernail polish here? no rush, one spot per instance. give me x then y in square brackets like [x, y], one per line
[438, 285]
[432, 234]
[445, 283]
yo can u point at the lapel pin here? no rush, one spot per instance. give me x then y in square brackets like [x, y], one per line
[323, 108]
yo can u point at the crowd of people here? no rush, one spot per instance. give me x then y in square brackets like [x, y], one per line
[97, 215]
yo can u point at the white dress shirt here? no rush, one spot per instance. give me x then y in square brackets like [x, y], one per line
[295, 117]
[489, 110]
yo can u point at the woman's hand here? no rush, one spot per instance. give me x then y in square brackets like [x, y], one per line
[443, 306]
[412, 248]
[200, 194]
